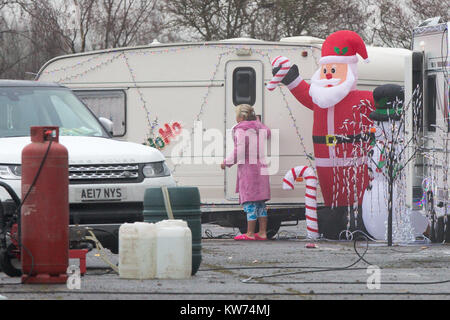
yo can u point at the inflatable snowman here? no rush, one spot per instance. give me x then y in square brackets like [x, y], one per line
[388, 103]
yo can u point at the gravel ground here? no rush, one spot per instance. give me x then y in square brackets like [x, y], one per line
[279, 269]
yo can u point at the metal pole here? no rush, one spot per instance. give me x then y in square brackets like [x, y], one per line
[391, 197]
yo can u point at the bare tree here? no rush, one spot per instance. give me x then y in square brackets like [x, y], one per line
[14, 53]
[431, 8]
[263, 21]
[48, 28]
[209, 20]
[45, 32]
[3, 23]
[122, 23]
[64, 24]
[266, 19]
[34, 31]
[85, 13]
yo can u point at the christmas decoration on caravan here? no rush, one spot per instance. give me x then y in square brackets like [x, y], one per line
[167, 133]
[340, 120]
[384, 212]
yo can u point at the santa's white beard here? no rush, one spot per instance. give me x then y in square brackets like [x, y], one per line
[326, 97]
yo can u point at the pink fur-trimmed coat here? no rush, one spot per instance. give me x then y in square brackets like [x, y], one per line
[252, 183]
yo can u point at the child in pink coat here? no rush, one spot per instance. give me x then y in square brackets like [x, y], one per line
[252, 183]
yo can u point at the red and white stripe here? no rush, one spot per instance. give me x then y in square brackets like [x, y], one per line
[309, 175]
[284, 65]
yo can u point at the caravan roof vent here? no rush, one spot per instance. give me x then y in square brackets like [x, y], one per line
[241, 40]
[303, 40]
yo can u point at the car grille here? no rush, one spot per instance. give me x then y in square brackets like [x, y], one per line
[103, 173]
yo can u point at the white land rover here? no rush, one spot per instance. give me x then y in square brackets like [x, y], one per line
[108, 178]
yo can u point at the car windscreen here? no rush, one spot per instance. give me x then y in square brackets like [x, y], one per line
[23, 107]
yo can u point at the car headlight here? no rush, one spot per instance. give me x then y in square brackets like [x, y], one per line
[11, 172]
[155, 170]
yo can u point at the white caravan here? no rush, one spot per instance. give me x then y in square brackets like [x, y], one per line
[428, 73]
[108, 178]
[153, 92]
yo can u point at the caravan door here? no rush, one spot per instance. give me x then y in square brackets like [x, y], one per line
[244, 84]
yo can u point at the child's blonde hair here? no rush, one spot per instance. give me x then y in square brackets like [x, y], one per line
[246, 112]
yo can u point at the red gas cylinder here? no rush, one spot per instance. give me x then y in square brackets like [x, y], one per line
[45, 208]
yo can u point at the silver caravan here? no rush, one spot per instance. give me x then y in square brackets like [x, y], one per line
[427, 85]
[154, 93]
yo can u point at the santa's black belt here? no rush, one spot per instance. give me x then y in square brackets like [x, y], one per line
[331, 140]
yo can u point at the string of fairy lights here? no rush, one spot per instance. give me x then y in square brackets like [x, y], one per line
[391, 146]
[308, 156]
[204, 103]
[80, 65]
[152, 124]
[357, 125]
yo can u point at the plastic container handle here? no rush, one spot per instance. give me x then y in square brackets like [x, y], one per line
[166, 196]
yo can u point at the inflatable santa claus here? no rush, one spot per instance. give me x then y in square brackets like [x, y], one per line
[339, 131]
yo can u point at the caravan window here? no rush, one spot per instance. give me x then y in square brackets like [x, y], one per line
[431, 103]
[109, 104]
[244, 86]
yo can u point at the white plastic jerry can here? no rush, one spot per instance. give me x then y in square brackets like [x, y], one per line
[137, 251]
[173, 250]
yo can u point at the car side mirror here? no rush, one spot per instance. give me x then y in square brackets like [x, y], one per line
[108, 124]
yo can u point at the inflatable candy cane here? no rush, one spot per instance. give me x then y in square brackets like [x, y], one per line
[308, 174]
[284, 65]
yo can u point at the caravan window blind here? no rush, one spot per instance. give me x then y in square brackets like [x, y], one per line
[244, 86]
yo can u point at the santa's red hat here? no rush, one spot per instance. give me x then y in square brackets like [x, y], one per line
[342, 47]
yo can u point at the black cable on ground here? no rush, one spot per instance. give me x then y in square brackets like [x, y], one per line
[352, 282]
[270, 267]
[209, 235]
[321, 269]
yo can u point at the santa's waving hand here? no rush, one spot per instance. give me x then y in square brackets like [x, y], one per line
[338, 130]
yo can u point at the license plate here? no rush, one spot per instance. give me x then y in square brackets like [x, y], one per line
[100, 194]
